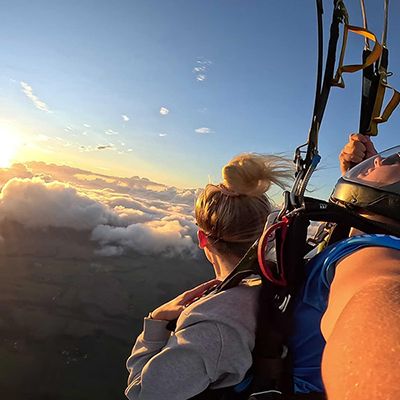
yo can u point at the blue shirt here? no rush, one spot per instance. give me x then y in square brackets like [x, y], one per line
[307, 343]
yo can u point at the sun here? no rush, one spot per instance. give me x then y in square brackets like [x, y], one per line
[9, 145]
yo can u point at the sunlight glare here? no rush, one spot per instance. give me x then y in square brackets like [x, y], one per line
[9, 145]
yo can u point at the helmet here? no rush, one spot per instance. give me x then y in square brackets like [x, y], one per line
[373, 185]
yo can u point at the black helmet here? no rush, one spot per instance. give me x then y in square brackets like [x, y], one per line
[373, 185]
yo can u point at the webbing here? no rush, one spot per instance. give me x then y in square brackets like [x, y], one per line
[370, 59]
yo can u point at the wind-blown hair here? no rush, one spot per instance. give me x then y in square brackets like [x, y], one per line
[233, 213]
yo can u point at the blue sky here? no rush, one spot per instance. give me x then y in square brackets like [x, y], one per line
[200, 81]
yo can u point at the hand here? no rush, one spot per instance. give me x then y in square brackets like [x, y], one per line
[172, 310]
[359, 148]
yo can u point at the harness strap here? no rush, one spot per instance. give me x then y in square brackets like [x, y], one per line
[387, 112]
[372, 55]
[375, 84]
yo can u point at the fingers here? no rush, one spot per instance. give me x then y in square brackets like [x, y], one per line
[371, 151]
[204, 286]
[198, 290]
[366, 141]
[358, 148]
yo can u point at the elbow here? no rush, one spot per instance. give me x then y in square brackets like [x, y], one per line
[132, 392]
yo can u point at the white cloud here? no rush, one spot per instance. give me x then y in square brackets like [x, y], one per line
[111, 132]
[201, 69]
[86, 125]
[169, 238]
[123, 214]
[162, 134]
[203, 130]
[37, 204]
[164, 111]
[125, 117]
[39, 104]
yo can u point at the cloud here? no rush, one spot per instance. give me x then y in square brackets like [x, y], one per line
[104, 147]
[111, 132]
[125, 117]
[162, 134]
[164, 111]
[36, 204]
[122, 214]
[16, 171]
[201, 69]
[169, 238]
[39, 104]
[110, 251]
[203, 130]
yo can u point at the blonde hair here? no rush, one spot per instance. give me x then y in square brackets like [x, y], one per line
[233, 213]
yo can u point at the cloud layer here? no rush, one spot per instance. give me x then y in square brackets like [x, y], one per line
[122, 214]
[37, 204]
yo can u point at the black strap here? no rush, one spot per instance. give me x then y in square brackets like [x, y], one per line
[306, 166]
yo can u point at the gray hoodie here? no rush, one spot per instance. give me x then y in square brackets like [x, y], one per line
[211, 346]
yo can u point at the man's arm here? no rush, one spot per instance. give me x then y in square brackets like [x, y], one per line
[362, 328]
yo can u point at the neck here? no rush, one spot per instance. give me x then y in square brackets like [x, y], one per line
[223, 266]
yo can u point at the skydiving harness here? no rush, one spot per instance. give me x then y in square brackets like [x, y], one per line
[282, 278]
[374, 83]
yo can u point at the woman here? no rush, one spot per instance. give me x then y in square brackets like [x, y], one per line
[214, 337]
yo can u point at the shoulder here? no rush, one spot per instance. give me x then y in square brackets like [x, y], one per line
[356, 273]
[359, 267]
[235, 307]
[367, 263]
[363, 345]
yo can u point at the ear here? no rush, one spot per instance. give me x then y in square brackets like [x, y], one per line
[202, 237]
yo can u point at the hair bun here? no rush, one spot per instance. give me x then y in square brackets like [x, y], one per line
[252, 174]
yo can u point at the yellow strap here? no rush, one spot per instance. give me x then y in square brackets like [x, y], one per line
[373, 56]
[387, 112]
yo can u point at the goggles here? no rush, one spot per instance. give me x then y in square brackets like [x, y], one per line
[393, 159]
